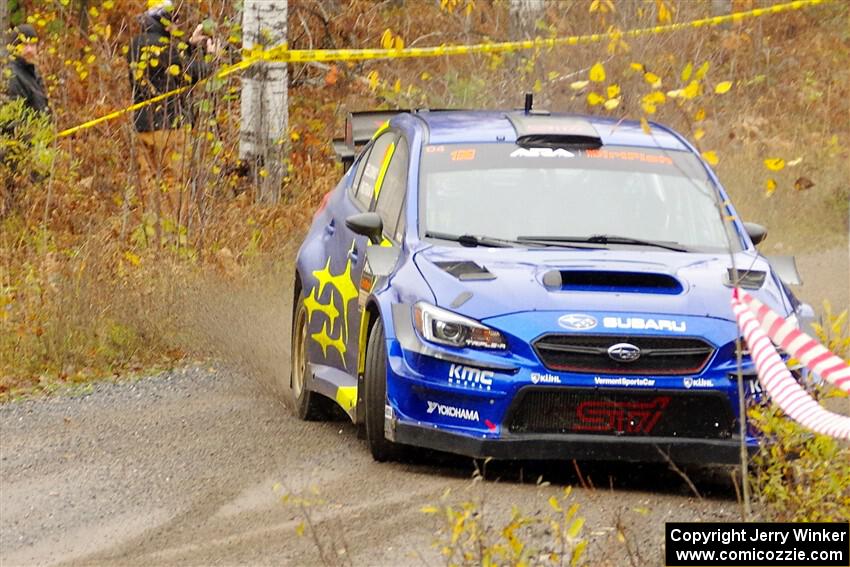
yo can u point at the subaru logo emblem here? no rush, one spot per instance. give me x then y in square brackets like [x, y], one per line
[624, 352]
[577, 321]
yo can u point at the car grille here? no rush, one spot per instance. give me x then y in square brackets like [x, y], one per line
[657, 413]
[589, 354]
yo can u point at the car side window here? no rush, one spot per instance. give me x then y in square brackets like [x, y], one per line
[358, 174]
[392, 190]
[372, 169]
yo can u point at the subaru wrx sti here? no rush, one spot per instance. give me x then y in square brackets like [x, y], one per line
[527, 285]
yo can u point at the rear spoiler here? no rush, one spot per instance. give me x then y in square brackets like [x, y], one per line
[359, 129]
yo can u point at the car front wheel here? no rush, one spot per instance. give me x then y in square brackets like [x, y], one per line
[375, 396]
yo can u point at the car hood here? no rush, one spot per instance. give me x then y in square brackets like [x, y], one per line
[486, 282]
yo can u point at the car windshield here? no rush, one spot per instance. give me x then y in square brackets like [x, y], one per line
[510, 192]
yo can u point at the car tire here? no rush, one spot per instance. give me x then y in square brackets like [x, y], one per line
[375, 396]
[309, 406]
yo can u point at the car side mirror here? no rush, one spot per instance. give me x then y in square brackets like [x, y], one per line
[369, 225]
[756, 232]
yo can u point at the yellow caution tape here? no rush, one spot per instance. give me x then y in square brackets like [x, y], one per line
[284, 55]
[119, 113]
[308, 55]
[222, 73]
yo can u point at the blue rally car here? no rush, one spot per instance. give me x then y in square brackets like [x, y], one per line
[527, 285]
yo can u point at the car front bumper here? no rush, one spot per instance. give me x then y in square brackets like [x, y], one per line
[573, 446]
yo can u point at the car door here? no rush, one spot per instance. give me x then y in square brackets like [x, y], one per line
[337, 282]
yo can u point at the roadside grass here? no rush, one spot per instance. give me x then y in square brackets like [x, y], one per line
[469, 536]
[799, 476]
[75, 328]
[104, 315]
[468, 532]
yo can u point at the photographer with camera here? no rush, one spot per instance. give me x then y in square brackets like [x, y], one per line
[161, 62]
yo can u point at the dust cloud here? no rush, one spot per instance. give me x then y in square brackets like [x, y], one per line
[243, 324]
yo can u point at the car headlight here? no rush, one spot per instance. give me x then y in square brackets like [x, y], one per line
[444, 327]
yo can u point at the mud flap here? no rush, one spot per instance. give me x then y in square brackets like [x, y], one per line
[336, 385]
[389, 422]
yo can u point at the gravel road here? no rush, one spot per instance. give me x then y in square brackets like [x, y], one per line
[190, 466]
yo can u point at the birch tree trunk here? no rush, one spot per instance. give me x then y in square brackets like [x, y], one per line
[4, 25]
[264, 98]
[721, 7]
[523, 17]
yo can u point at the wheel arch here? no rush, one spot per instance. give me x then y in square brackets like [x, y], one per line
[371, 315]
[297, 286]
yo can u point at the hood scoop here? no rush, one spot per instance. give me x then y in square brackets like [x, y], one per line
[747, 279]
[609, 281]
[466, 270]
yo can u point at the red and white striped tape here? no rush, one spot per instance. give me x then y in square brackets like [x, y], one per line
[758, 323]
[800, 345]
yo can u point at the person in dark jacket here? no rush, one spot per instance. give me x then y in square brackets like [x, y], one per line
[161, 62]
[19, 80]
[24, 80]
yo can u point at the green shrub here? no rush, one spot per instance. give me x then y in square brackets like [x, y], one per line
[799, 476]
[26, 153]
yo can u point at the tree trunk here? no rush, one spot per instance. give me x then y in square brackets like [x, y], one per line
[4, 25]
[84, 16]
[264, 98]
[721, 7]
[523, 18]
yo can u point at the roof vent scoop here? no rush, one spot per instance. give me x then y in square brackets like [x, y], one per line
[612, 282]
[544, 131]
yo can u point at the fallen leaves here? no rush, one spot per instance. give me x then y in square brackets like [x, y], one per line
[774, 164]
[769, 187]
[723, 88]
[653, 79]
[597, 73]
[595, 99]
[803, 184]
